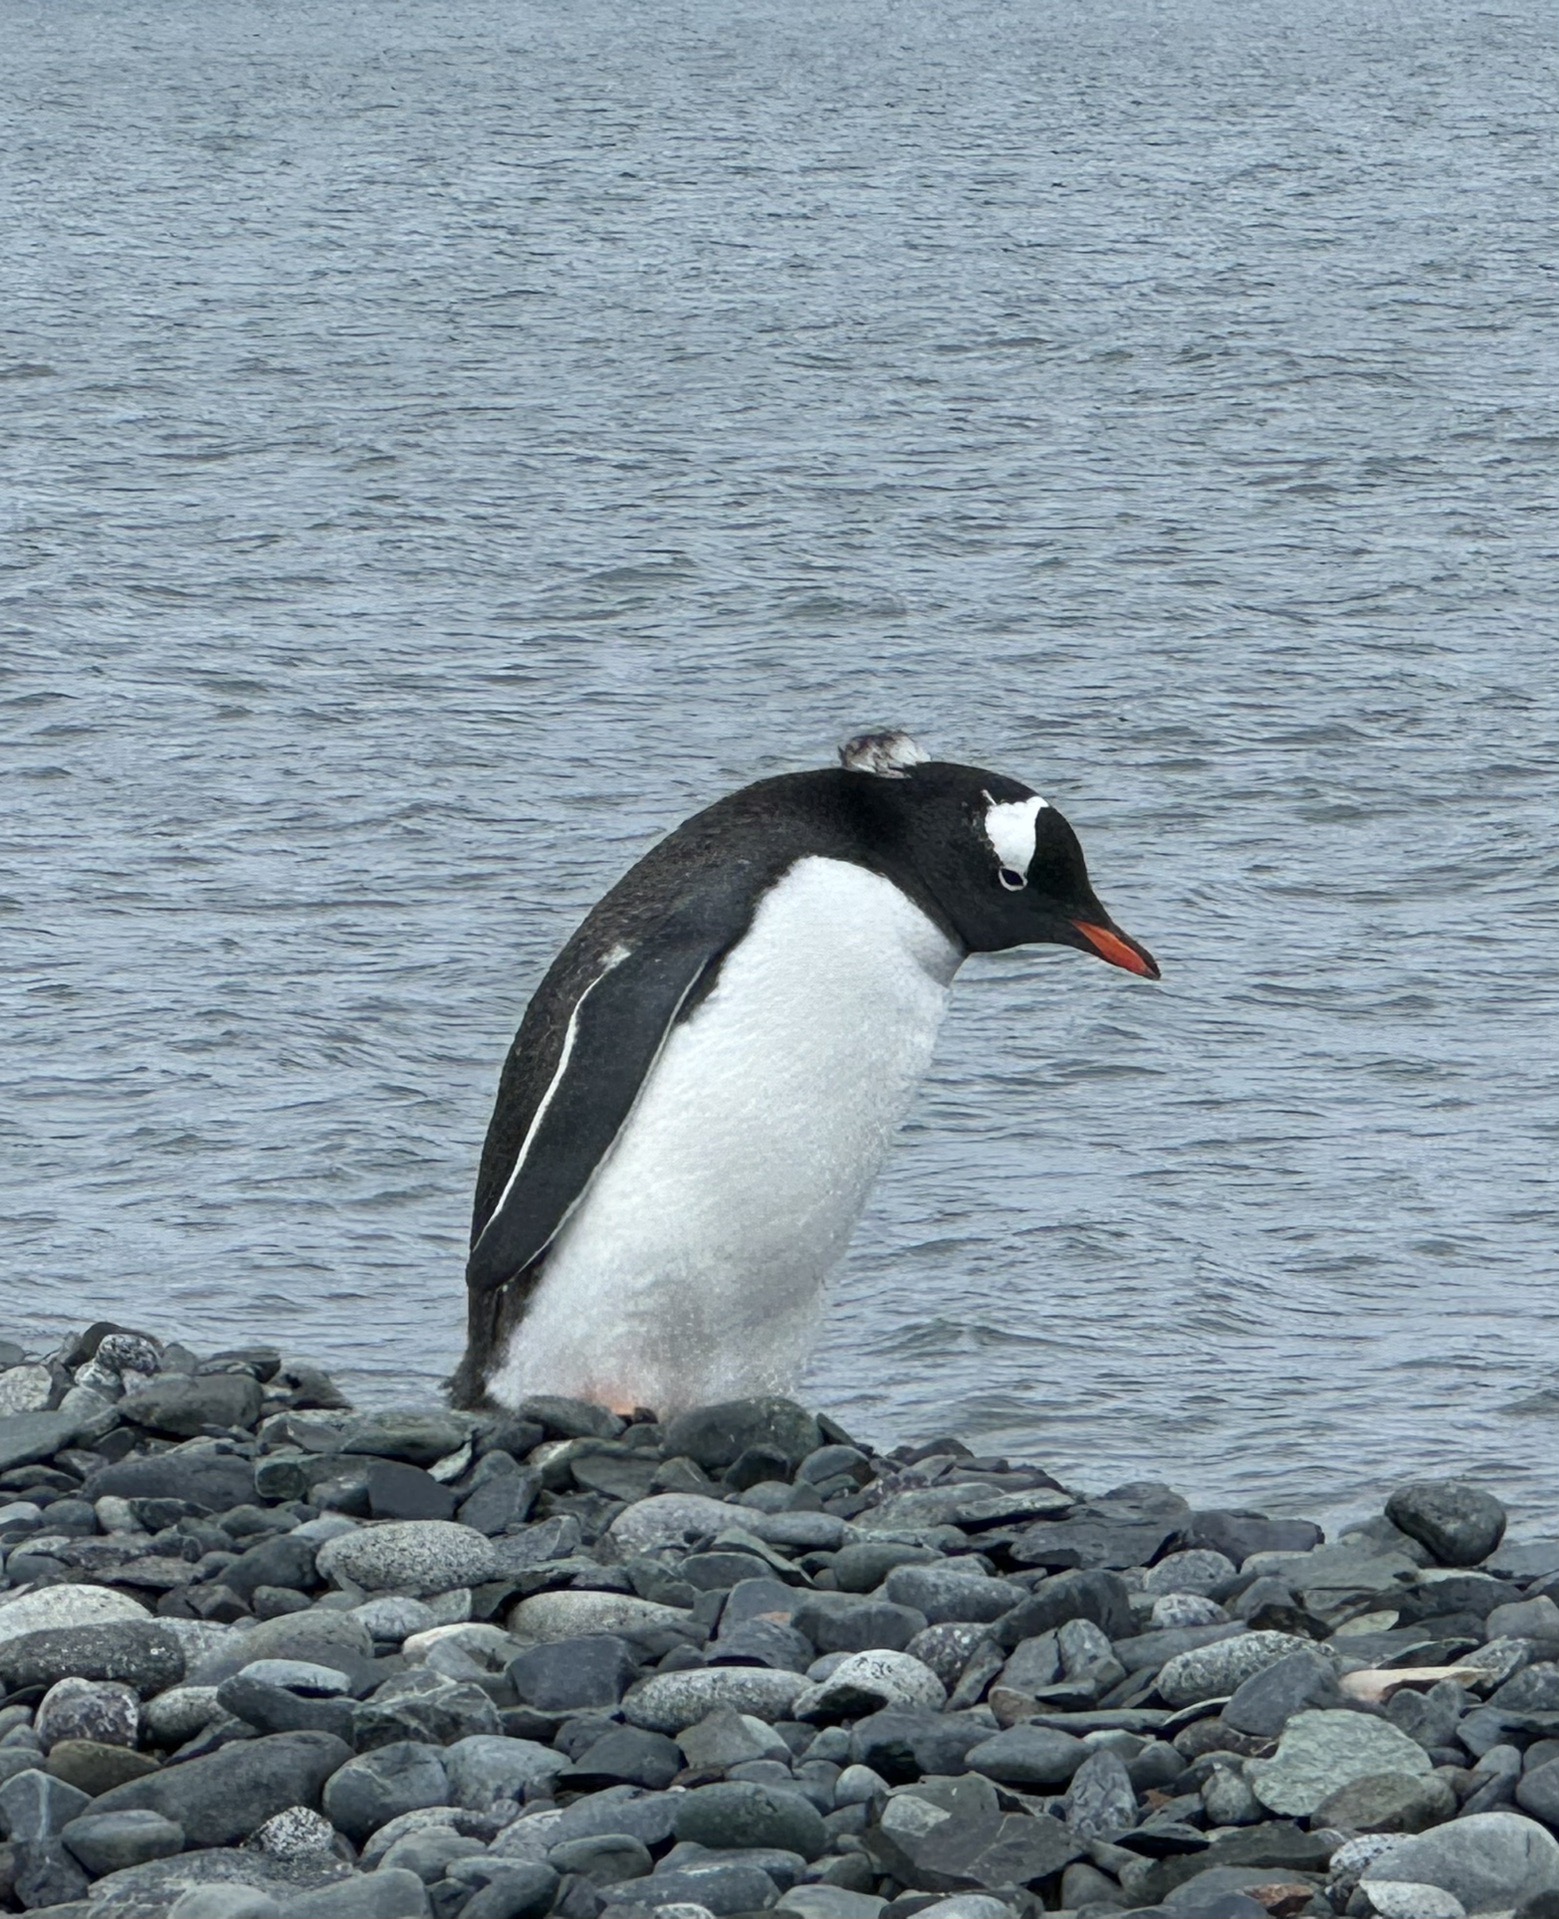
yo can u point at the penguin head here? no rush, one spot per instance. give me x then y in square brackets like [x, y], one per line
[1000, 861]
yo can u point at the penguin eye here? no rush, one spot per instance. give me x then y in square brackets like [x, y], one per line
[1014, 882]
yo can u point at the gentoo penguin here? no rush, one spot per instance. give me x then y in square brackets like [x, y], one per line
[709, 1077]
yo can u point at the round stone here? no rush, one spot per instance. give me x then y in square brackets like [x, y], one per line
[297, 1832]
[54, 1606]
[1460, 1524]
[582, 1615]
[671, 1519]
[1198, 1571]
[743, 1814]
[98, 1709]
[414, 1556]
[670, 1701]
[865, 1682]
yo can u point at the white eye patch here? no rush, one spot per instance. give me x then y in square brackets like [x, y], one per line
[1011, 828]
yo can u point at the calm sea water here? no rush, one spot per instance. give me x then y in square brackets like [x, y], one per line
[442, 445]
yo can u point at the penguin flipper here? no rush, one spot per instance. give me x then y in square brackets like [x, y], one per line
[615, 1030]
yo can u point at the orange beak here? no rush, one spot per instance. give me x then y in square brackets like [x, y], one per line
[1118, 949]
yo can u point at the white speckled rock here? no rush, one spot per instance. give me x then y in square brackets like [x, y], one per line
[868, 1682]
[65, 1606]
[102, 1710]
[24, 1389]
[672, 1519]
[409, 1555]
[570, 1615]
[1211, 1672]
[1320, 1752]
[297, 1833]
[670, 1701]
[1414, 1899]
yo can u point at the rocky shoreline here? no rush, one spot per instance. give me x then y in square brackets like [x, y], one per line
[263, 1655]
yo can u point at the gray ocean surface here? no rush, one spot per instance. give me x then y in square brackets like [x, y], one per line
[443, 445]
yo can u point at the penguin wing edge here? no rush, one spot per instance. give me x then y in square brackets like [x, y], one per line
[615, 1032]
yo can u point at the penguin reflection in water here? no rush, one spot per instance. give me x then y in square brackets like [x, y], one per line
[710, 1076]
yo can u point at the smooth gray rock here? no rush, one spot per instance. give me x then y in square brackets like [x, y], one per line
[1198, 1571]
[624, 1755]
[486, 1773]
[670, 1701]
[183, 1407]
[1029, 1756]
[1460, 1524]
[429, 1851]
[604, 1858]
[371, 1790]
[36, 1805]
[389, 1893]
[224, 1902]
[549, 1617]
[727, 1738]
[846, 1622]
[721, 1889]
[222, 1798]
[1266, 1701]
[417, 1436]
[568, 1675]
[740, 1814]
[1491, 1861]
[110, 1841]
[1320, 1752]
[28, 1438]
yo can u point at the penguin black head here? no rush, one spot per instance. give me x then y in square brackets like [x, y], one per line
[1003, 865]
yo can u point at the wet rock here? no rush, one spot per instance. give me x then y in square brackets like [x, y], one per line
[1460, 1524]
[106, 1842]
[500, 1504]
[714, 1437]
[399, 1491]
[1320, 1752]
[1126, 1529]
[213, 1482]
[842, 1622]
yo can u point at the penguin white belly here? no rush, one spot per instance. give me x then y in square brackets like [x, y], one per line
[692, 1268]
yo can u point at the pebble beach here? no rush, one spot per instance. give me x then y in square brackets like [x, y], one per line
[263, 1654]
